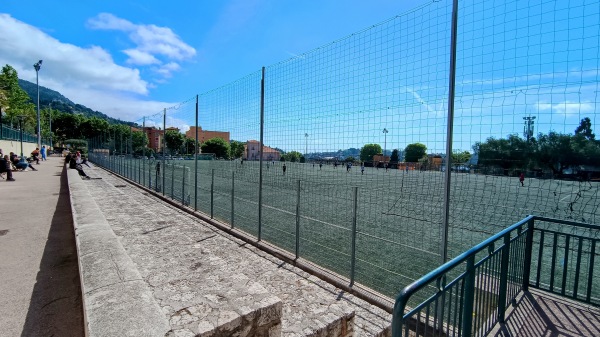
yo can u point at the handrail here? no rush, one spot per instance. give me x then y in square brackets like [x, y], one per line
[398, 317]
[567, 222]
[419, 284]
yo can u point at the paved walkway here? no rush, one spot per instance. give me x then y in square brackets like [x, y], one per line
[540, 313]
[39, 279]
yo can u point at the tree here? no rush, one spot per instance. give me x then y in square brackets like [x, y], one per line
[92, 127]
[189, 144]
[174, 140]
[15, 100]
[218, 146]
[139, 142]
[554, 151]
[236, 149]
[350, 159]
[459, 157]
[368, 151]
[585, 129]
[293, 156]
[395, 156]
[414, 152]
[512, 152]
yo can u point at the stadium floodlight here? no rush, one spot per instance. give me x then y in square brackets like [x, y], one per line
[528, 128]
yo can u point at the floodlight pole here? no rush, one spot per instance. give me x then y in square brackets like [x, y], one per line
[385, 132]
[37, 67]
[306, 145]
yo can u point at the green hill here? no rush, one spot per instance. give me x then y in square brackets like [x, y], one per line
[56, 101]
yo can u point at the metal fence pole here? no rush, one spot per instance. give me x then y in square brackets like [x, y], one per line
[212, 193]
[503, 278]
[449, 130]
[469, 291]
[298, 220]
[183, 186]
[260, 170]
[232, 197]
[354, 215]
[172, 181]
[196, 161]
[163, 148]
[528, 254]
[144, 153]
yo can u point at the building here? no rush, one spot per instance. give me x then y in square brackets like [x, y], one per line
[204, 135]
[154, 138]
[251, 152]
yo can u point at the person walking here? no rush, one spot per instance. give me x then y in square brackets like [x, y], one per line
[43, 152]
[522, 179]
[362, 168]
[284, 168]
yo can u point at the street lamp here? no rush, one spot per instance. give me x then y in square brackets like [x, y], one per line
[37, 77]
[385, 132]
[21, 117]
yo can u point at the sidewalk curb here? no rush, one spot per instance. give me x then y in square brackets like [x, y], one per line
[116, 300]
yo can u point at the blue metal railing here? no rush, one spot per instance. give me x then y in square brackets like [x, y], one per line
[468, 295]
[8, 133]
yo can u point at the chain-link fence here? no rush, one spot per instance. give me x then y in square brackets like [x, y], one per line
[322, 156]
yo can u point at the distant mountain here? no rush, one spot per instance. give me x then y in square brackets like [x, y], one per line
[56, 101]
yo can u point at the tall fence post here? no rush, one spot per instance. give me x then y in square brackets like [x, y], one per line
[354, 215]
[298, 220]
[212, 193]
[449, 130]
[503, 278]
[196, 161]
[469, 288]
[183, 185]
[232, 198]
[163, 149]
[144, 154]
[260, 166]
[172, 181]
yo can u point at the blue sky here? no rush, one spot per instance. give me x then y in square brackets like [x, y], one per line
[205, 44]
[130, 59]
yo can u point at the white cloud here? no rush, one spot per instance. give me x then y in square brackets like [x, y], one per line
[151, 42]
[566, 107]
[167, 69]
[91, 67]
[141, 58]
[87, 76]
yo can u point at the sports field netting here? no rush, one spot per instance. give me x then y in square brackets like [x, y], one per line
[527, 75]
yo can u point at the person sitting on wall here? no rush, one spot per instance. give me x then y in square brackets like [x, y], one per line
[19, 164]
[73, 164]
[5, 167]
[35, 154]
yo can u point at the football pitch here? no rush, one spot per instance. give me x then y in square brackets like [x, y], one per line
[398, 215]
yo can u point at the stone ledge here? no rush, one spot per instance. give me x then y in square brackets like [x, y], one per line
[116, 301]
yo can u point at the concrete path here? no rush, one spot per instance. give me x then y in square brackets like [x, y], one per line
[39, 280]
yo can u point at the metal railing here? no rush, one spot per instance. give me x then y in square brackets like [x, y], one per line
[468, 295]
[8, 133]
